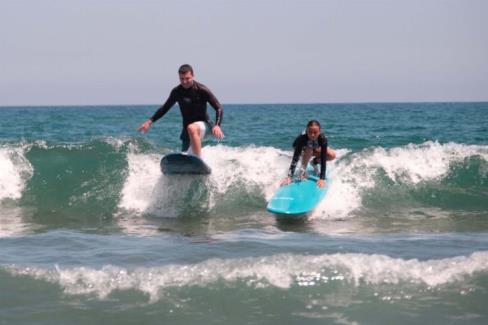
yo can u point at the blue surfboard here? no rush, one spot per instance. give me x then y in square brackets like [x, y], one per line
[182, 163]
[299, 197]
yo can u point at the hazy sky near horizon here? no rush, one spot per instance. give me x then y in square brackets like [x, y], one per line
[87, 52]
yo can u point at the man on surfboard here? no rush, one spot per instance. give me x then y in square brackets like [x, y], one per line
[312, 143]
[192, 97]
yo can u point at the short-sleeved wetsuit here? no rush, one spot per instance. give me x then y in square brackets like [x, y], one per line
[193, 107]
[301, 142]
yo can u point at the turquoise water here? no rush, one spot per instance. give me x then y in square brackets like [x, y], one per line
[90, 231]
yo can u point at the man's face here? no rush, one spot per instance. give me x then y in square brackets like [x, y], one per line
[186, 79]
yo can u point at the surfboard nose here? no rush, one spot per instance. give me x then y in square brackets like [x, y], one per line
[179, 163]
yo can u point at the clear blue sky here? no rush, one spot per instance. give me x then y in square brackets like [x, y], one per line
[270, 51]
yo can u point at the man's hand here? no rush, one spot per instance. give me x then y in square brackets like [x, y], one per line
[217, 132]
[145, 126]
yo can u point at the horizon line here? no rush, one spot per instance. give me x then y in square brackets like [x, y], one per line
[264, 103]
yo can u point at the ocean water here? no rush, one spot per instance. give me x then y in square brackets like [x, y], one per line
[92, 232]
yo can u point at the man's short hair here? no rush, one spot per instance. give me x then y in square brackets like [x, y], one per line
[185, 68]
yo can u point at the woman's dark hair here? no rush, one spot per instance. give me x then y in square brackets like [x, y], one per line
[185, 68]
[313, 123]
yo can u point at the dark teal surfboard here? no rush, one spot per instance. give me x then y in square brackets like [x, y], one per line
[182, 163]
[299, 197]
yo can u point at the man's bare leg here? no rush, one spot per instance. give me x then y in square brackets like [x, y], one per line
[195, 141]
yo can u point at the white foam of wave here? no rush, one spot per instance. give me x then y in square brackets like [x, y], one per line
[262, 167]
[117, 142]
[412, 164]
[146, 189]
[282, 271]
[15, 170]
[250, 168]
[140, 185]
[427, 161]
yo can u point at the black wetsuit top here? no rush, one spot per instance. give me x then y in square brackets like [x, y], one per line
[300, 143]
[193, 105]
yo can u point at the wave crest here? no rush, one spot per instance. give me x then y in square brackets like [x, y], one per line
[283, 271]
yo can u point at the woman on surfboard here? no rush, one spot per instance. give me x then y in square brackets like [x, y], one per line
[311, 143]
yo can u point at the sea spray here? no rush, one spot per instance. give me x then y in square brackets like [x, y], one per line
[400, 169]
[15, 170]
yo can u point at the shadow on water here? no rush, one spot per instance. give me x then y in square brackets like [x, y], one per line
[299, 223]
